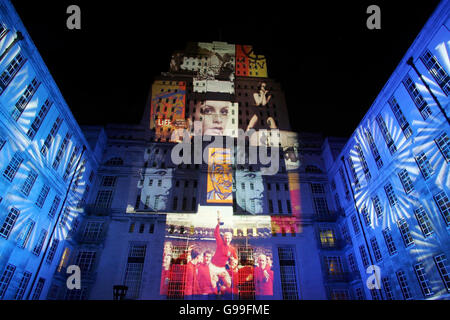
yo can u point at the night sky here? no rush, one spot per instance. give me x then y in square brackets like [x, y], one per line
[329, 64]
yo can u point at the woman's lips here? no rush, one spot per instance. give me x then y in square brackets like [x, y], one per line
[216, 131]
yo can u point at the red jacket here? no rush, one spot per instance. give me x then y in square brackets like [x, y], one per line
[204, 280]
[263, 286]
[223, 251]
[190, 284]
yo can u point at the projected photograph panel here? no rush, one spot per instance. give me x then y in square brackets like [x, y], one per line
[220, 176]
[217, 118]
[213, 260]
[167, 108]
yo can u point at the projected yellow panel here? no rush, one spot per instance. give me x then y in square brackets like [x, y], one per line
[220, 177]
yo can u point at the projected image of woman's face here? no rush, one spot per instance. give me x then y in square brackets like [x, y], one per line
[214, 117]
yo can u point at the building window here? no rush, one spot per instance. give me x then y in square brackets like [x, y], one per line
[386, 135]
[339, 294]
[443, 204]
[29, 182]
[270, 206]
[22, 286]
[61, 150]
[9, 222]
[366, 216]
[417, 97]
[147, 202]
[71, 163]
[7, 275]
[363, 161]
[376, 249]
[54, 207]
[377, 206]
[327, 238]
[51, 136]
[108, 181]
[374, 149]
[52, 251]
[364, 257]
[39, 119]
[423, 280]
[424, 165]
[24, 235]
[338, 202]
[141, 228]
[392, 249]
[287, 273]
[116, 161]
[352, 263]
[38, 289]
[85, 260]
[40, 242]
[317, 188]
[390, 194]
[134, 269]
[403, 123]
[288, 205]
[354, 174]
[387, 288]
[439, 74]
[65, 217]
[93, 231]
[42, 196]
[194, 204]
[424, 221]
[159, 183]
[320, 204]
[346, 233]
[443, 143]
[355, 224]
[404, 231]
[334, 265]
[406, 181]
[11, 70]
[344, 183]
[104, 198]
[13, 167]
[442, 266]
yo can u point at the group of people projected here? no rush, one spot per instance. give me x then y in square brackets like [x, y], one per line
[209, 274]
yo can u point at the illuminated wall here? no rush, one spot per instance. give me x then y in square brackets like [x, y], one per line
[41, 161]
[396, 166]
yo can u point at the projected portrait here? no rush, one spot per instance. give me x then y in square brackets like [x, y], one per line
[291, 158]
[261, 99]
[220, 176]
[216, 117]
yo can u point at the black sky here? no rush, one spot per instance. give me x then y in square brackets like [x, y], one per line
[330, 65]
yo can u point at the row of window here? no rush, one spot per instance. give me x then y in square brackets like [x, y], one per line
[5, 280]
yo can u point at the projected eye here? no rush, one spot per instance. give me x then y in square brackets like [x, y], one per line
[224, 111]
[161, 172]
[207, 110]
[250, 175]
